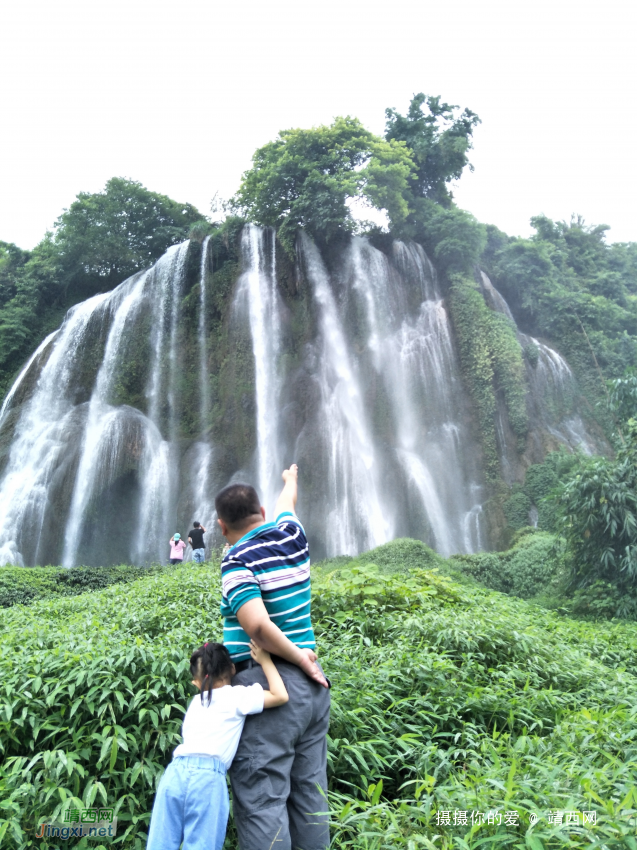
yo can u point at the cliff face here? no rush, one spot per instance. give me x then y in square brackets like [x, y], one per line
[407, 404]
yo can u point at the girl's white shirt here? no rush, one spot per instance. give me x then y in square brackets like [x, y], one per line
[213, 728]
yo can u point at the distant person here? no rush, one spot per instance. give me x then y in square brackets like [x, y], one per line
[195, 538]
[191, 805]
[279, 775]
[177, 547]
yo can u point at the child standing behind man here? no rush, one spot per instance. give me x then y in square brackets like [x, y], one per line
[279, 774]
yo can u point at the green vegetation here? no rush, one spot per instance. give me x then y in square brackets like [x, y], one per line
[596, 508]
[23, 585]
[439, 139]
[532, 567]
[446, 697]
[306, 177]
[567, 285]
[491, 360]
[99, 241]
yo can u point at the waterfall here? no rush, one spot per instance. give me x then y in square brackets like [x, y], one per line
[201, 491]
[38, 449]
[412, 350]
[552, 391]
[105, 426]
[201, 340]
[494, 299]
[112, 437]
[158, 466]
[6, 404]
[258, 286]
[355, 516]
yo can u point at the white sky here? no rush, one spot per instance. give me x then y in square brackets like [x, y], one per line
[179, 95]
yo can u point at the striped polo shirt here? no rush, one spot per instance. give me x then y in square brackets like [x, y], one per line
[272, 563]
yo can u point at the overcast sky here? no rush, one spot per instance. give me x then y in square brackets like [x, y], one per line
[179, 95]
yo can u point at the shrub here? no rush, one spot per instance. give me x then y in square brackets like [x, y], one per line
[531, 566]
[459, 699]
[516, 510]
[23, 585]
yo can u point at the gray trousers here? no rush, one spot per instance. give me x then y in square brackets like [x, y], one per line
[279, 774]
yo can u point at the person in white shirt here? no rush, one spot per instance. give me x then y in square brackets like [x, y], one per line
[191, 805]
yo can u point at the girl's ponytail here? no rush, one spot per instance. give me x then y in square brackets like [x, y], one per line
[210, 663]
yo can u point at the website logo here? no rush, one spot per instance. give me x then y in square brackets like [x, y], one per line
[81, 823]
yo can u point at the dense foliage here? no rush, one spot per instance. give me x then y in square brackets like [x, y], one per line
[568, 285]
[305, 178]
[446, 697]
[99, 241]
[21, 586]
[492, 362]
[596, 505]
[439, 140]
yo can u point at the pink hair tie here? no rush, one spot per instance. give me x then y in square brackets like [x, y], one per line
[205, 645]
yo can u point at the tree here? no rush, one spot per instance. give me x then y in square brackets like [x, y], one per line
[439, 140]
[304, 178]
[105, 237]
[597, 503]
[98, 242]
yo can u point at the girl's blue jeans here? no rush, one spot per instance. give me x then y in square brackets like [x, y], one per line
[191, 805]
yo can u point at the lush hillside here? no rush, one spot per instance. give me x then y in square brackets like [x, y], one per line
[97, 242]
[448, 698]
[566, 287]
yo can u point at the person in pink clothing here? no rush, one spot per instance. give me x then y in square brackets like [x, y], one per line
[177, 547]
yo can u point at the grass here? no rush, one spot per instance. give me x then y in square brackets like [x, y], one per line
[447, 698]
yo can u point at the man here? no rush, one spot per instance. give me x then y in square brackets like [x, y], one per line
[195, 538]
[279, 774]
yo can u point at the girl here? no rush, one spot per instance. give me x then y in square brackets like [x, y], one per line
[177, 547]
[192, 799]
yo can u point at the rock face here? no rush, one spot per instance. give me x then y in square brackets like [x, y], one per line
[213, 367]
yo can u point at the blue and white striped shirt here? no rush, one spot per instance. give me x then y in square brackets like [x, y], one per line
[272, 562]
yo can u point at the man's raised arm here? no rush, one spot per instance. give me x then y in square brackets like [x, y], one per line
[287, 500]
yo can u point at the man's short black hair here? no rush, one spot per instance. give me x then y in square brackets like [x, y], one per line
[196, 524]
[236, 504]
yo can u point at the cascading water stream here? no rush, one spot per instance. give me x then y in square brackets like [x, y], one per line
[416, 359]
[355, 514]
[258, 286]
[105, 425]
[6, 404]
[37, 450]
[158, 471]
[204, 408]
[202, 496]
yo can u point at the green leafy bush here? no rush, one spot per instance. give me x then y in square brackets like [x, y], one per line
[516, 510]
[455, 699]
[23, 585]
[403, 554]
[530, 567]
[597, 511]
